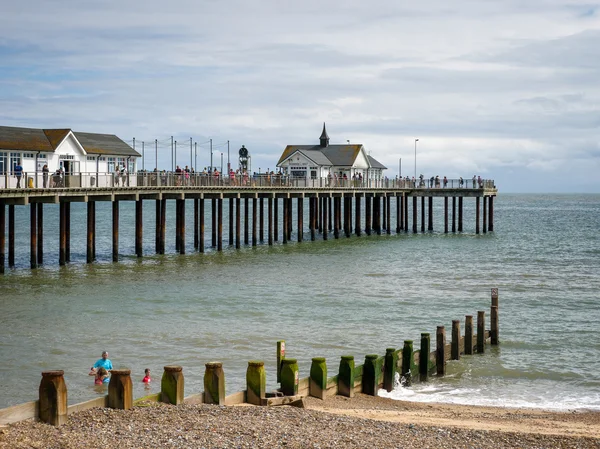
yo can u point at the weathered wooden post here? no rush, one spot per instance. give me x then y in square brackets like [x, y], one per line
[481, 332]
[284, 220]
[53, 398]
[484, 215]
[384, 212]
[370, 377]
[494, 324]
[280, 357]
[398, 216]
[430, 214]
[33, 235]
[455, 348]
[256, 382]
[213, 221]
[289, 377]
[407, 361]
[231, 213]
[40, 233]
[172, 385]
[163, 225]
[261, 220]
[300, 213]
[445, 215]
[270, 220]
[330, 212]
[324, 211]
[460, 214]
[336, 215]
[62, 257]
[2, 235]
[156, 226]
[477, 212]
[346, 376]
[90, 244]
[139, 223]
[453, 214]
[120, 389]
[422, 214]
[318, 378]
[11, 235]
[414, 214]
[275, 218]
[254, 220]
[68, 232]
[238, 222]
[424, 356]
[214, 384]
[491, 213]
[197, 222]
[389, 368]
[405, 198]
[367, 215]
[182, 226]
[219, 223]
[115, 230]
[357, 229]
[440, 351]
[469, 334]
[389, 214]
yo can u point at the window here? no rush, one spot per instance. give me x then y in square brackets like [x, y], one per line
[102, 158]
[111, 165]
[28, 155]
[42, 156]
[91, 158]
[69, 157]
[15, 158]
[131, 166]
[3, 163]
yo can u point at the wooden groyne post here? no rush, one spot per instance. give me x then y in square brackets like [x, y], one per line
[172, 385]
[53, 398]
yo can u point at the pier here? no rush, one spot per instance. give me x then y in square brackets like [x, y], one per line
[339, 209]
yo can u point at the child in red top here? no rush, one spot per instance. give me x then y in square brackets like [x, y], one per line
[101, 374]
[147, 378]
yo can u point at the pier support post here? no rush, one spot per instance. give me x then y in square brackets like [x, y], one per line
[468, 334]
[90, 244]
[202, 235]
[172, 385]
[220, 224]
[477, 211]
[388, 199]
[93, 230]
[424, 357]
[317, 387]
[346, 376]
[384, 221]
[480, 332]
[312, 209]
[290, 219]
[455, 348]
[460, 214]
[214, 384]
[196, 224]
[246, 220]
[163, 225]
[324, 210]
[494, 321]
[139, 226]
[213, 221]
[336, 216]
[261, 220]
[398, 216]
[407, 361]
[238, 220]
[453, 214]
[430, 213]
[491, 212]
[367, 215]
[33, 235]
[405, 210]
[330, 210]
[289, 377]
[156, 226]
[254, 220]
[284, 219]
[371, 374]
[440, 351]
[2, 235]
[389, 368]
[53, 398]
[62, 255]
[422, 214]
[357, 229]
[40, 233]
[11, 235]
[231, 213]
[120, 389]
[414, 214]
[256, 381]
[445, 215]
[115, 230]
[484, 227]
[68, 232]
[270, 220]
[275, 218]
[300, 213]
[377, 212]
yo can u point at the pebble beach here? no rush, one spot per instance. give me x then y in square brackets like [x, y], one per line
[362, 421]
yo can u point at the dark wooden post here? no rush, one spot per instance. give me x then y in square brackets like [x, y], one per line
[231, 212]
[317, 386]
[172, 385]
[440, 351]
[214, 383]
[453, 214]
[430, 214]
[455, 348]
[405, 199]
[53, 398]
[238, 219]
[445, 215]
[481, 332]
[377, 212]
[2, 235]
[414, 214]
[424, 356]
[40, 233]
[300, 211]
[407, 362]
[284, 219]
[320, 214]
[270, 220]
[177, 225]
[89, 247]
[139, 223]
[156, 228]
[68, 232]
[290, 219]
[389, 369]
[401, 206]
[336, 212]
[494, 324]
[254, 220]
[325, 232]
[477, 215]
[93, 230]
[196, 224]
[33, 235]
[220, 224]
[163, 224]
[11, 235]
[469, 334]
[491, 212]
[280, 356]
[367, 215]
[120, 389]
[357, 229]
[422, 214]
[371, 375]
[389, 214]
[460, 214]
[115, 230]
[330, 210]
[256, 380]
[213, 217]
[62, 258]
[246, 220]
[384, 213]
[312, 216]
[484, 214]
[398, 218]
[275, 218]
[261, 220]
[346, 376]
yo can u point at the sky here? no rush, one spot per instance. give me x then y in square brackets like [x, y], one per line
[504, 89]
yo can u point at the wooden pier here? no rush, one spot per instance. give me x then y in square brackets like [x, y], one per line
[330, 211]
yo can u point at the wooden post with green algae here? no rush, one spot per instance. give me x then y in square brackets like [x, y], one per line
[440, 351]
[171, 385]
[424, 356]
[370, 377]
[280, 357]
[389, 368]
[407, 362]
[455, 348]
[480, 332]
[469, 334]
[290, 377]
[494, 322]
[318, 378]
[256, 382]
[53, 398]
[214, 383]
[346, 376]
[120, 389]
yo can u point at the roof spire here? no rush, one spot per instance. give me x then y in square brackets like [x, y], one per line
[324, 139]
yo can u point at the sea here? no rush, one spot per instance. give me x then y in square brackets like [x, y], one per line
[352, 296]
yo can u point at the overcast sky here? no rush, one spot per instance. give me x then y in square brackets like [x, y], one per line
[505, 89]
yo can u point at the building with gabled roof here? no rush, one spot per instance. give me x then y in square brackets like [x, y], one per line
[326, 160]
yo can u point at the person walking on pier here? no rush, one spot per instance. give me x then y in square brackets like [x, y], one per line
[474, 180]
[18, 171]
[45, 173]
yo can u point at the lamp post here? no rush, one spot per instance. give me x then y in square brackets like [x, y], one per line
[400, 168]
[416, 140]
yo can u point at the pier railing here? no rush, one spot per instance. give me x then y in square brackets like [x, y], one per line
[407, 364]
[89, 180]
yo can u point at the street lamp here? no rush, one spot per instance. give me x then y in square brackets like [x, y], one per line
[400, 168]
[416, 140]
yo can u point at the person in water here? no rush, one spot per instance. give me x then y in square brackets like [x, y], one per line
[102, 376]
[105, 363]
[147, 378]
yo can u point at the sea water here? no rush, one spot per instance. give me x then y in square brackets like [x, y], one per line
[352, 296]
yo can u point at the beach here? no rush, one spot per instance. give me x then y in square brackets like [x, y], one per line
[362, 421]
